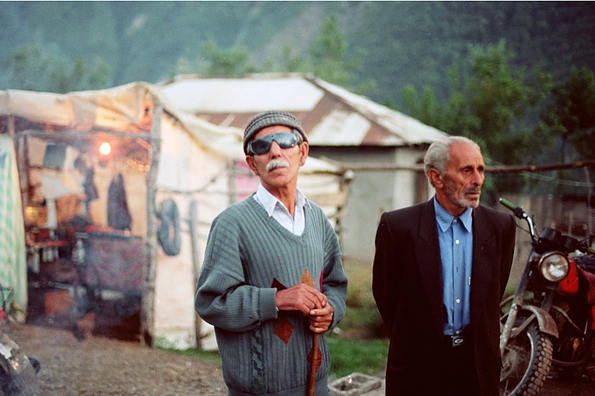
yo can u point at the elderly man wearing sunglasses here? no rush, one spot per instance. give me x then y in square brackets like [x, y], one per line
[272, 279]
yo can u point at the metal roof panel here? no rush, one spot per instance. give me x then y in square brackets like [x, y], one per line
[407, 128]
[332, 115]
[241, 95]
[339, 128]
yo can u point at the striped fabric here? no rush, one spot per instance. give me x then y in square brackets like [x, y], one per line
[13, 260]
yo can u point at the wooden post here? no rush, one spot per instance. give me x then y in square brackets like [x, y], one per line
[193, 224]
[21, 149]
[231, 181]
[149, 270]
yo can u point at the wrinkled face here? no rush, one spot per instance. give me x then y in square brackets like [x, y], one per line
[278, 168]
[460, 186]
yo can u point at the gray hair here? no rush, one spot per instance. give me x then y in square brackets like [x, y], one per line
[438, 154]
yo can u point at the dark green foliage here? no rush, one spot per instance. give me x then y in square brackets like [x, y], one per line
[486, 104]
[230, 62]
[31, 67]
[571, 114]
[493, 104]
[327, 54]
[417, 42]
[405, 43]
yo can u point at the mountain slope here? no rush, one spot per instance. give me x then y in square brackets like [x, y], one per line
[404, 42]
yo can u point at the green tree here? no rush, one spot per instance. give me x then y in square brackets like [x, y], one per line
[488, 106]
[426, 109]
[33, 68]
[327, 60]
[233, 61]
[216, 61]
[292, 63]
[497, 100]
[328, 54]
[571, 114]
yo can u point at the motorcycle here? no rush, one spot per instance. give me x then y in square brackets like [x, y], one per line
[550, 318]
[18, 372]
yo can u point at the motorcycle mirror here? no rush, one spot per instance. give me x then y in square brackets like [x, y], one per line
[570, 244]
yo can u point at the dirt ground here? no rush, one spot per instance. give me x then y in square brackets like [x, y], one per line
[582, 383]
[102, 365]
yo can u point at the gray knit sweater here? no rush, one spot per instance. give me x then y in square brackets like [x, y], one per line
[248, 256]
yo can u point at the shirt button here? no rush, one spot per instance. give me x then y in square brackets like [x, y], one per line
[457, 242]
[458, 300]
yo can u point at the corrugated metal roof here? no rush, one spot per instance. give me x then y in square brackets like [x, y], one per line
[331, 115]
[242, 95]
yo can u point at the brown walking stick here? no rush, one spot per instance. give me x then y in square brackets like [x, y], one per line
[315, 358]
[315, 355]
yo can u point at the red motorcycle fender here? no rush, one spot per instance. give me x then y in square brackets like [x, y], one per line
[545, 321]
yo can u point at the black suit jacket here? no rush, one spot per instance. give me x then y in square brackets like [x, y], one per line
[407, 287]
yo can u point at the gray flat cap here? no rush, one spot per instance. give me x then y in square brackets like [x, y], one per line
[270, 118]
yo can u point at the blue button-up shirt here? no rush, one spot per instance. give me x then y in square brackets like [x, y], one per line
[455, 236]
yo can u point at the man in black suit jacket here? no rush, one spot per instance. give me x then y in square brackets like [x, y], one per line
[440, 271]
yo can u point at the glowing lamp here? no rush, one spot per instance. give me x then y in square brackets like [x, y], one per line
[105, 148]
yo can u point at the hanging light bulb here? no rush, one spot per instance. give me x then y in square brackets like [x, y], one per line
[105, 148]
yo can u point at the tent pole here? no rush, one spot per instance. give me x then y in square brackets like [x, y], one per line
[21, 148]
[149, 270]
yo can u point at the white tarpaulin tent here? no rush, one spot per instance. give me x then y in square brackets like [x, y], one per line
[161, 154]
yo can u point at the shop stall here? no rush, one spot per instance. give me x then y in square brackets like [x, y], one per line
[119, 190]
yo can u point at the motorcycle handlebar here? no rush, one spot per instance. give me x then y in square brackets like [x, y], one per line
[516, 210]
[520, 214]
[507, 203]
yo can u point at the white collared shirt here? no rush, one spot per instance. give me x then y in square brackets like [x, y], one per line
[279, 212]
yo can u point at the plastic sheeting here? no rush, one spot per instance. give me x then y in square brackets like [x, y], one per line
[13, 259]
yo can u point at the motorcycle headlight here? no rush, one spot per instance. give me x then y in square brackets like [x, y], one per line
[554, 266]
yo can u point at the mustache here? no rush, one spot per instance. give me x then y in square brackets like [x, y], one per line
[473, 190]
[277, 163]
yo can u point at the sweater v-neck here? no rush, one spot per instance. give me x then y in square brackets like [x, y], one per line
[272, 222]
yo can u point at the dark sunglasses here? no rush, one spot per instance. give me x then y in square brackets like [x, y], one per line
[261, 146]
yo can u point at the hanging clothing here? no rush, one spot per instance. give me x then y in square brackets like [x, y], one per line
[118, 216]
[89, 185]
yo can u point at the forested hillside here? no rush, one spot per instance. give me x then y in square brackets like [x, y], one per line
[507, 74]
[399, 43]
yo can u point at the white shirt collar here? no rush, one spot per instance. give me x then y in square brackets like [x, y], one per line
[269, 201]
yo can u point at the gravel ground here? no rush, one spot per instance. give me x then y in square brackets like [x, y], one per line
[99, 365]
[106, 366]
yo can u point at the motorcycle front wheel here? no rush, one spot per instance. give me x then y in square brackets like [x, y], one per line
[526, 363]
